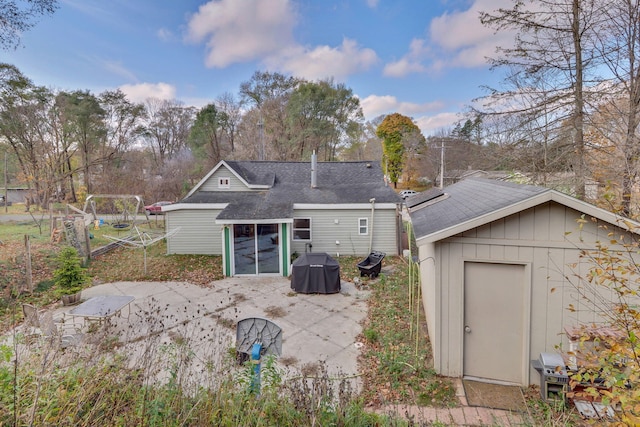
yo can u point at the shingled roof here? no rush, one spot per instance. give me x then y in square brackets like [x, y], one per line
[288, 183]
[474, 202]
[465, 201]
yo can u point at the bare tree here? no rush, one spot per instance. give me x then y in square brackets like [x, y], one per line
[619, 45]
[30, 123]
[266, 133]
[550, 67]
[82, 120]
[122, 120]
[167, 128]
[232, 108]
[17, 17]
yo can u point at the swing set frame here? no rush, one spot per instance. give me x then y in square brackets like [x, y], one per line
[124, 214]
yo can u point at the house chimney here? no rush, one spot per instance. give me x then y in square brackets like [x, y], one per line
[314, 170]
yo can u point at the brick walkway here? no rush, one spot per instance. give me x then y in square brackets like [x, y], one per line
[461, 416]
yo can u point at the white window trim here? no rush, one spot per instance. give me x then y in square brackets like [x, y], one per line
[293, 229]
[365, 226]
[224, 182]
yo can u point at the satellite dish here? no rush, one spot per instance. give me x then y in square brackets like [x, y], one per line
[255, 330]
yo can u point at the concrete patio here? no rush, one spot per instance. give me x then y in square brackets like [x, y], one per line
[315, 328]
[193, 327]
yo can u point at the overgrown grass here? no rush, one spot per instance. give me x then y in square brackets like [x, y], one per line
[397, 356]
[100, 389]
[127, 264]
[163, 374]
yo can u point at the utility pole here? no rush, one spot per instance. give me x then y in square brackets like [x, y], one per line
[442, 163]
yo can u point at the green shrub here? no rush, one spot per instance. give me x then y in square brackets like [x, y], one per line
[70, 277]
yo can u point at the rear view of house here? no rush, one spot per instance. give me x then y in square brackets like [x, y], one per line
[258, 214]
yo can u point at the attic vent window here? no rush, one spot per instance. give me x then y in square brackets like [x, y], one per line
[224, 183]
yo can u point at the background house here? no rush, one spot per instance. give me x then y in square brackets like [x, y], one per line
[257, 214]
[494, 257]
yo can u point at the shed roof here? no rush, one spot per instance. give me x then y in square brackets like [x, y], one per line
[476, 201]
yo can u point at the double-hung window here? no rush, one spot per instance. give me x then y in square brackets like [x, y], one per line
[363, 226]
[302, 229]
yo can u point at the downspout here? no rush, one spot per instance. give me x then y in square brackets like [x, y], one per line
[373, 209]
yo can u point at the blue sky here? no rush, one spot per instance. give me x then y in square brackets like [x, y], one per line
[421, 58]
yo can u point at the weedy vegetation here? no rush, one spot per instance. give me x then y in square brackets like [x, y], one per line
[158, 373]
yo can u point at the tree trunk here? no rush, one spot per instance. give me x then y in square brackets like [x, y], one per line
[580, 170]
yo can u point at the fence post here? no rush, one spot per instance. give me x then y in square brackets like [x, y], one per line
[27, 247]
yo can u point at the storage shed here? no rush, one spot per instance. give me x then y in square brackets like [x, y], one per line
[494, 260]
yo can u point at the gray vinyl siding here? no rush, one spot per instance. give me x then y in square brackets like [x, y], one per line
[199, 233]
[235, 184]
[325, 231]
[536, 237]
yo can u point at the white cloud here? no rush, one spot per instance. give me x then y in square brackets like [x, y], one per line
[140, 92]
[245, 30]
[325, 61]
[464, 41]
[375, 105]
[164, 34]
[242, 30]
[430, 125]
[196, 102]
[455, 39]
[373, 3]
[410, 63]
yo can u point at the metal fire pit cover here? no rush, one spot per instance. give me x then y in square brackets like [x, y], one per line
[254, 330]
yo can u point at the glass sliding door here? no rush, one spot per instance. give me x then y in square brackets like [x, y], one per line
[256, 249]
[244, 248]
[268, 253]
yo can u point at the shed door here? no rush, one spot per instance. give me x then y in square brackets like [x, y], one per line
[494, 321]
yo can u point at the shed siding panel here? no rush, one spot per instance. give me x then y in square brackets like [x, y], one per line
[524, 253]
[555, 303]
[498, 229]
[484, 231]
[536, 237]
[512, 229]
[199, 234]
[456, 305]
[557, 222]
[447, 346]
[470, 251]
[234, 183]
[483, 251]
[341, 225]
[541, 222]
[525, 224]
[497, 252]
